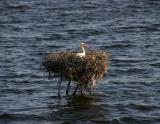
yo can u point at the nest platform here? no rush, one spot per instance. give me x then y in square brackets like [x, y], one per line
[81, 70]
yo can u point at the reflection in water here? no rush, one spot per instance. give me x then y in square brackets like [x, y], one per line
[79, 109]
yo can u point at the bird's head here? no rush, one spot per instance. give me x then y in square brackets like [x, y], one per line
[83, 45]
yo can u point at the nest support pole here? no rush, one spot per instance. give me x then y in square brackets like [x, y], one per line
[81, 89]
[75, 91]
[68, 85]
[59, 87]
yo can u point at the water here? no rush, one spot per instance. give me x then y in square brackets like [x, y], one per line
[129, 93]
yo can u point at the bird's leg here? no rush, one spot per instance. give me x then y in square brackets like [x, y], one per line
[59, 88]
[68, 85]
[74, 93]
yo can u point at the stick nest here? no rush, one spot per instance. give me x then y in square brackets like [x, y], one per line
[68, 66]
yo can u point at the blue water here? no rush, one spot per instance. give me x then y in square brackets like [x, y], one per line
[129, 29]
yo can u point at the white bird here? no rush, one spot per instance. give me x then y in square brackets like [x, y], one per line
[82, 45]
[93, 80]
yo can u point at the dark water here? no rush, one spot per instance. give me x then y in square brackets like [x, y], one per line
[130, 29]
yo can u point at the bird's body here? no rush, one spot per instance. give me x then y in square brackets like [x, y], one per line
[83, 53]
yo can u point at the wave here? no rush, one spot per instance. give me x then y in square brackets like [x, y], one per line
[119, 120]
[117, 46]
[7, 116]
[18, 7]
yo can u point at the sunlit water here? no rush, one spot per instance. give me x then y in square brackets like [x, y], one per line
[129, 29]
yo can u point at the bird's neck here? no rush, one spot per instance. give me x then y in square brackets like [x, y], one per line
[83, 50]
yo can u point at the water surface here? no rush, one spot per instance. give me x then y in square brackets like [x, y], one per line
[129, 93]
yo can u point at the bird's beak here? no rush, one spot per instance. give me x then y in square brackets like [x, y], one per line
[86, 46]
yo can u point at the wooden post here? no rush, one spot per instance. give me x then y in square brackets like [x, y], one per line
[59, 88]
[81, 89]
[68, 85]
[74, 93]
